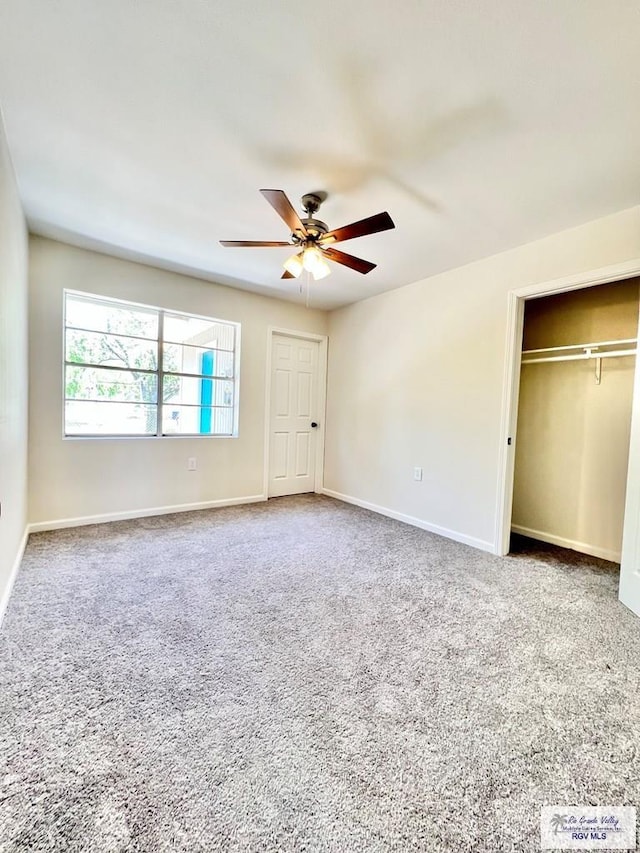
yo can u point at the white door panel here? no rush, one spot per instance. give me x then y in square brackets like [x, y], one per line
[294, 402]
[283, 393]
[303, 461]
[279, 454]
[305, 391]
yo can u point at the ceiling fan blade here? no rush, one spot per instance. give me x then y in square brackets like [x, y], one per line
[283, 207]
[349, 260]
[370, 225]
[287, 274]
[253, 243]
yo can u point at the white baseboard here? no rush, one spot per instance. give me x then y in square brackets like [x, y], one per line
[583, 547]
[59, 523]
[414, 522]
[13, 574]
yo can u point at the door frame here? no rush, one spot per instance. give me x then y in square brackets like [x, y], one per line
[323, 341]
[630, 563]
[511, 389]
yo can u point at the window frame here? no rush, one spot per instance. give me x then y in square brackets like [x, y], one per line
[159, 372]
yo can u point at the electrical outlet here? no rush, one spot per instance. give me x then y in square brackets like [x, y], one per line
[417, 474]
[191, 463]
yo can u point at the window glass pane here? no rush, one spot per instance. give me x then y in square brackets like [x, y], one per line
[93, 418]
[179, 390]
[113, 350]
[196, 420]
[187, 359]
[93, 383]
[198, 331]
[84, 312]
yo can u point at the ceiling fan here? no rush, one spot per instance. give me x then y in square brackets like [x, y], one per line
[313, 240]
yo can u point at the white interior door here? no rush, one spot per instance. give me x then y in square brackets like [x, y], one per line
[294, 408]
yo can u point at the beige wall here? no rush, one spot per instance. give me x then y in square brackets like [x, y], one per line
[13, 374]
[573, 435]
[80, 478]
[416, 379]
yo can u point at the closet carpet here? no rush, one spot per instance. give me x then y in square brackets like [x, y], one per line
[304, 675]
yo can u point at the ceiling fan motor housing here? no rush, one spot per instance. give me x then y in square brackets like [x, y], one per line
[315, 230]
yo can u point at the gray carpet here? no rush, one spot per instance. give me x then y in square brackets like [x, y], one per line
[304, 675]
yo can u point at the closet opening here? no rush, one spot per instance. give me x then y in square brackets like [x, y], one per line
[573, 425]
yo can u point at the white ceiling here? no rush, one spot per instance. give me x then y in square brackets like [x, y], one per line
[146, 127]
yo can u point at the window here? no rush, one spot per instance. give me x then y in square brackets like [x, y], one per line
[136, 370]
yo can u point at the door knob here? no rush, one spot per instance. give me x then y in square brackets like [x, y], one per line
[313, 424]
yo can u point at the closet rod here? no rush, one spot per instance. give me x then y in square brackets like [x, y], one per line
[579, 357]
[582, 346]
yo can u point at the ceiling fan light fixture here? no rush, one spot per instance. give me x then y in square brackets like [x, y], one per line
[314, 262]
[320, 270]
[293, 265]
[311, 257]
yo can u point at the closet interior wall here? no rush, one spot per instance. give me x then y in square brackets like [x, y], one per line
[572, 444]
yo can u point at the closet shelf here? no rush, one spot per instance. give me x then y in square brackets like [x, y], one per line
[576, 352]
